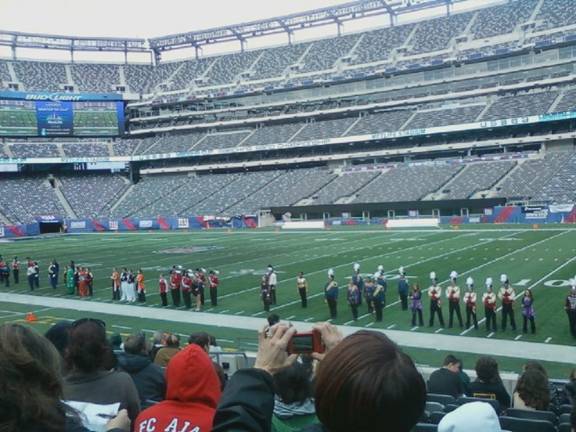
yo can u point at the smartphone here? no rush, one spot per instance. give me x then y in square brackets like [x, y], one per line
[306, 343]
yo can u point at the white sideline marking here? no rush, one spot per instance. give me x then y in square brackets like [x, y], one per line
[548, 340]
[291, 317]
[439, 330]
[490, 335]
[256, 314]
[370, 324]
[390, 327]
[121, 327]
[349, 322]
[309, 319]
[239, 313]
[518, 337]
[224, 311]
[414, 328]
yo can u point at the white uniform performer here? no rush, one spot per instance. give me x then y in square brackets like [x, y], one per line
[507, 295]
[470, 302]
[435, 294]
[453, 295]
[272, 282]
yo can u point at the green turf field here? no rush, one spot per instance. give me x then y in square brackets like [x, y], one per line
[542, 259]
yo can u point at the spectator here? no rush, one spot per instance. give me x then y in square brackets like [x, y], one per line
[293, 403]
[447, 380]
[31, 386]
[172, 347]
[201, 339]
[116, 343]
[488, 383]
[471, 417]
[58, 335]
[571, 387]
[362, 383]
[191, 398]
[532, 391]
[158, 342]
[88, 379]
[148, 377]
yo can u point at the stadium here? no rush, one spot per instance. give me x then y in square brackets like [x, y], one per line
[408, 155]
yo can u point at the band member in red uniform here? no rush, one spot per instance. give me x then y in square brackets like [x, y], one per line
[175, 281]
[507, 295]
[435, 293]
[201, 282]
[90, 282]
[214, 283]
[489, 300]
[16, 270]
[470, 302]
[186, 286]
[453, 294]
[163, 288]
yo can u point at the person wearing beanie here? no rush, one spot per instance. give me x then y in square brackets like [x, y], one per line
[470, 302]
[489, 301]
[435, 293]
[507, 295]
[471, 417]
[192, 395]
[453, 295]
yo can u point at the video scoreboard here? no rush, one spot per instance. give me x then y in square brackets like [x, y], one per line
[61, 114]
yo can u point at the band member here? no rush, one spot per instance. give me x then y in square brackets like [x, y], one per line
[416, 305]
[4, 272]
[378, 299]
[31, 275]
[507, 295]
[272, 283]
[70, 283]
[214, 282]
[369, 288]
[186, 288]
[470, 302]
[528, 312]
[302, 286]
[36, 274]
[331, 294]
[115, 284]
[53, 274]
[124, 285]
[489, 301]
[380, 279]
[16, 270]
[197, 288]
[403, 288]
[90, 282]
[175, 280]
[200, 279]
[140, 287]
[131, 286]
[82, 283]
[163, 288]
[357, 280]
[265, 293]
[453, 295]
[435, 294]
[353, 299]
[570, 308]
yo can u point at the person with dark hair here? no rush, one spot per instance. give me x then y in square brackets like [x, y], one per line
[202, 339]
[532, 391]
[148, 377]
[273, 319]
[53, 270]
[31, 386]
[293, 402]
[446, 380]
[116, 343]
[193, 392]
[172, 347]
[58, 334]
[363, 383]
[31, 275]
[528, 312]
[88, 379]
[488, 383]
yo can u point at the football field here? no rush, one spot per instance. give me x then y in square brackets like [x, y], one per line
[541, 259]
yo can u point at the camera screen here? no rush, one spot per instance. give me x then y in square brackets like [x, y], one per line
[303, 343]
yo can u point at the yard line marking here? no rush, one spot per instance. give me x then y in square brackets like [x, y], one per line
[256, 314]
[390, 327]
[209, 310]
[291, 317]
[490, 335]
[225, 340]
[414, 328]
[225, 310]
[560, 267]
[439, 330]
[349, 322]
[149, 331]
[548, 340]
[239, 313]
[364, 316]
[370, 324]
[309, 319]
[121, 327]
[518, 337]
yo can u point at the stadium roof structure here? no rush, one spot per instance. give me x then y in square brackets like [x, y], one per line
[290, 23]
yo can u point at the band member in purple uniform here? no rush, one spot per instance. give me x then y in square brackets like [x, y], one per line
[528, 311]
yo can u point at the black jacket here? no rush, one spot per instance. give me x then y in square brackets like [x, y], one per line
[490, 391]
[247, 404]
[148, 377]
[443, 381]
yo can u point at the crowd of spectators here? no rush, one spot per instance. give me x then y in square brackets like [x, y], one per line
[361, 382]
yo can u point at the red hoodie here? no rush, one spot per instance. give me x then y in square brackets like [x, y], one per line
[192, 394]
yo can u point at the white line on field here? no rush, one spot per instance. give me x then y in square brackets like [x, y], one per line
[256, 314]
[490, 335]
[518, 337]
[349, 322]
[239, 313]
[291, 317]
[309, 319]
[225, 310]
[390, 327]
[548, 340]
[370, 324]
[121, 327]
[439, 330]
[414, 328]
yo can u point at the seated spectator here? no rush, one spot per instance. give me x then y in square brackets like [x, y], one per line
[293, 403]
[201, 339]
[571, 387]
[463, 376]
[532, 391]
[158, 342]
[58, 335]
[471, 417]
[116, 343]
[148, 377]
[89, 380]
[362, 383]
[273, 319]
[31, 386]
[488, 383]
[446, 380]
[191, 397]
[165, 353]
[214, 347]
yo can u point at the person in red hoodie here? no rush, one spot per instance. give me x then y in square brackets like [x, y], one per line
[192, 395]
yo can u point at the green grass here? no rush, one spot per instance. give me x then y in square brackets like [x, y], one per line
[530, 257]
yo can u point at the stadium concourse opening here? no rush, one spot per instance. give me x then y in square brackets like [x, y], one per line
[51, 226]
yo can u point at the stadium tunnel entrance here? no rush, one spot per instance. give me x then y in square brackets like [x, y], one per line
[51, 227]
